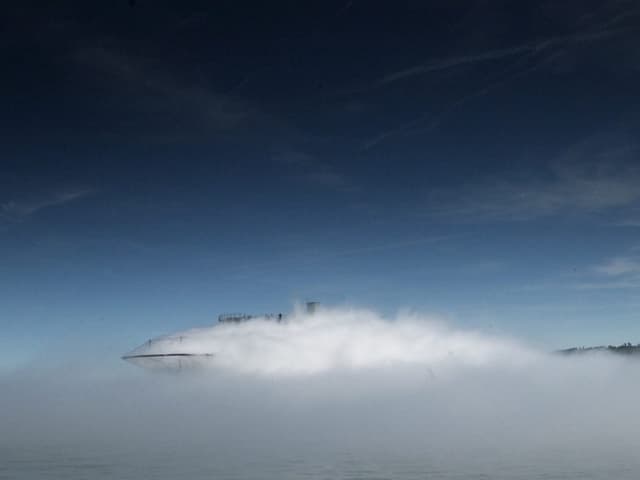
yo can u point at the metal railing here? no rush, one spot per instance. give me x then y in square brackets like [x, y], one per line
[243, 317]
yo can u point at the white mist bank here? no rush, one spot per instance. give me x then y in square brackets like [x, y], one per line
[338, 339]
[341, 381]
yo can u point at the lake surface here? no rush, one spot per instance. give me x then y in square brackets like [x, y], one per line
[555, 418]
[64, 463]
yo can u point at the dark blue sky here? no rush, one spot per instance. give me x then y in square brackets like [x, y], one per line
[163, 162]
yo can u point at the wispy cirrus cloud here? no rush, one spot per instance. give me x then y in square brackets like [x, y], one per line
[627, 222]
[616, 272]
[502, 199]
[525, 65]
[588, 178]
[619, 266]
[16, 210]
[596, 31]
[163, 103]
[521, 61]
[166, 92]
[310, 169]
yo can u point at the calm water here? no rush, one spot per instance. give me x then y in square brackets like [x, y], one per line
[555, 421]
[63, 463]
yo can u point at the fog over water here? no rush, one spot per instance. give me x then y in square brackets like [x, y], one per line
[336, 340]
[344, 394]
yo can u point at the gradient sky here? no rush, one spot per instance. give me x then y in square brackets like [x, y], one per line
[162, 162]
